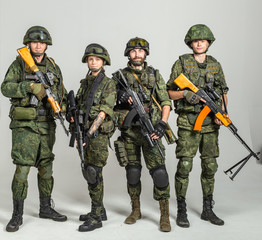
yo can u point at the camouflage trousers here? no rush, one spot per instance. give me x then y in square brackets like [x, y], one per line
[96, 155]
[32, 149]
[134, 141]
[188, 144]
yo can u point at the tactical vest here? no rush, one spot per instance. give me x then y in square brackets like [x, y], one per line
[200, 77]
[149, 78]
[42, 111]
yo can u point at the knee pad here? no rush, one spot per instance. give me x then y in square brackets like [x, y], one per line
[209, 166]
[45, 172]
[184, 167]
[133, 174]
[160, 177]
[21, 173]
[91, 174]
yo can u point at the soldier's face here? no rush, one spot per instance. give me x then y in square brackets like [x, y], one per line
[199, 46]
[95, 63]
[137, 56]
[38, 47]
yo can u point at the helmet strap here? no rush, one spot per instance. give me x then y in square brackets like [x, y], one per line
[95, 69]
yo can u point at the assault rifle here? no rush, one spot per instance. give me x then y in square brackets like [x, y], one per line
[144, 121]
[41, 78]
[209, 95]
[77, 134]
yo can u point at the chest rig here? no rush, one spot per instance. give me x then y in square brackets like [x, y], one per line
[41, 109]
[142, 82]
[200, 74]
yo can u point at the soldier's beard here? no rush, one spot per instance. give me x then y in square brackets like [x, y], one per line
[138, 61]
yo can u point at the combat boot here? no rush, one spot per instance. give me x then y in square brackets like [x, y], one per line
[103, 215]
[181, 219]
[17, 216]
[136, 213]
[208, 214]
[164, 219]
[93, 220]
[46, 211]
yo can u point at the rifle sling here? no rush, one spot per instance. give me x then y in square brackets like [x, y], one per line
[91, 94]
[154, 99]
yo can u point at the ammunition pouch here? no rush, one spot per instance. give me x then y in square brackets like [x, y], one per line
[121, 153]
[23, 113]
[29, 113]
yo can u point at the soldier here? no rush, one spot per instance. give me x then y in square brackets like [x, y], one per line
[202, 70]
[33, 126]
[96, 98]
[140, 75]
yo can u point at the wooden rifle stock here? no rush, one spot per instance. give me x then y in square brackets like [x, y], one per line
[27, 57]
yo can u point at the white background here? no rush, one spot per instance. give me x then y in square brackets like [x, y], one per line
[73, 25]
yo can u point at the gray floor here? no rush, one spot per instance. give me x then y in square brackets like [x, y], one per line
[238, 203]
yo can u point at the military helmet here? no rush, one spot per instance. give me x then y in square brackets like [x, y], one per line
[37, 34]
[137, 43]
[199, 32]
[97, 50]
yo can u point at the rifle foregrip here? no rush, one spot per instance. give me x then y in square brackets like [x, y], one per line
[224, 119]
[54, 104]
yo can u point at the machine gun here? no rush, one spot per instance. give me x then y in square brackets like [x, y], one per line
[41, 78]
[208, 96]
[77, 134]
[138, 110]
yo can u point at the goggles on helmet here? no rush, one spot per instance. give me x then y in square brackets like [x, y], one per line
[95, 49]
[38, 35]
[138, 43]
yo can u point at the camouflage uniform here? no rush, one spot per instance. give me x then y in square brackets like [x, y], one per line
[96, 152]
[32, 139]
[33, 127]
[133, 138]
[201, 74]
[146, 81]
[189, 141]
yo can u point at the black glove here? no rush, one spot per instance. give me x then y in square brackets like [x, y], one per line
[191, 97]
[68, 115]
[160, 128]
[122, 96]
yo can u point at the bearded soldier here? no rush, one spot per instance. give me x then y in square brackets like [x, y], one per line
[96, 98]
[141, 76]
[33, 126]
[203, 70]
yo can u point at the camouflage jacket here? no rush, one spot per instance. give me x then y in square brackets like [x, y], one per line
[104, 100]
[209, 72]
[155, 85]
[16, 86]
